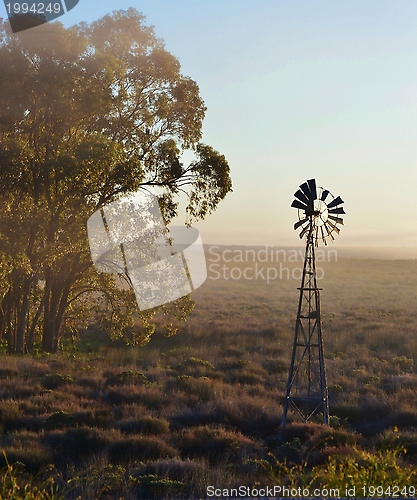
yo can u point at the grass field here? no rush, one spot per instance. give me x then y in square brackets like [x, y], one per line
[203, 408]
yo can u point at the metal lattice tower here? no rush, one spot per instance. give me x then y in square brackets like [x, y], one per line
[306, 391]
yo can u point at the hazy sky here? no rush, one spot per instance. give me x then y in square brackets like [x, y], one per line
[298, 89]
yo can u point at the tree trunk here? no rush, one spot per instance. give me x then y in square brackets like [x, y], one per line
[22, 318]
[8, 316]
[49, 343]
[56, 303]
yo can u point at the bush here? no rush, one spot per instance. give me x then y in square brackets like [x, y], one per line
[336, 454]
[179, 470]
[9, 413]
[214, 443]
[145, 425]
[379, 469]
[244, 415]
[352, 413]
[301, 431]
[127, 451]
[129, 377]
[152, 486]
[404, 419]
[200, 387]
[8, 373]
[30, 423]
[76, 444]
[32, 458]
[55, 380]
[60, 420]
[195, 366]
[408, 442]
[151, 397]
[97, 418]
[16, 485]
[331, 437]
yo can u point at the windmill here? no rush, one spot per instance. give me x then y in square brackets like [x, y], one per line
[306, 392]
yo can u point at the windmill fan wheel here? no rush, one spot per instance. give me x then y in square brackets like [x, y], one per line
[318, 212]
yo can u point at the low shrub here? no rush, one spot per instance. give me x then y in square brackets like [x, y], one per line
[8, 373]
[276, 367]
[352, 413]
[336, 454]
[195, 366]
[32, 459]
[150, 397]
[137, 449]
[129, 377]
[76, 444]
[331, 437]
[93, 418]
[179, 470]
[144, 425]
[403, 419]
[32, 423]
[200, 387]
[301, 431]
[244, 415]
[152, 486]
[215, 443]
[9, 413]
[55, 380]
[60, 420]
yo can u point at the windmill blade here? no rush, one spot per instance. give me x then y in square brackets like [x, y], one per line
[311, 195]
[329, 233]
[300, 223]
[338, 210]
[336, 219]
[324, 195]
[302, 197]
[313, 188]
[304, 187]
[333, 226]
[335, 202]
[298, 204]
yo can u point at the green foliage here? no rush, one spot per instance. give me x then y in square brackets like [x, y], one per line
[102, 482]
[364, 469]
[382, 469]
[404, 364]
[12, 488]
[87, 115]
[152, 486]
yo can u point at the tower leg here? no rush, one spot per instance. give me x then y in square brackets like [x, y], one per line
[306, 391]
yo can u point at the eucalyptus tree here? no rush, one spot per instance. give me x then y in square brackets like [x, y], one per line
[87, 115]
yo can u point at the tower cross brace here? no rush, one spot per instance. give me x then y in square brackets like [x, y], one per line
[306, 390]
